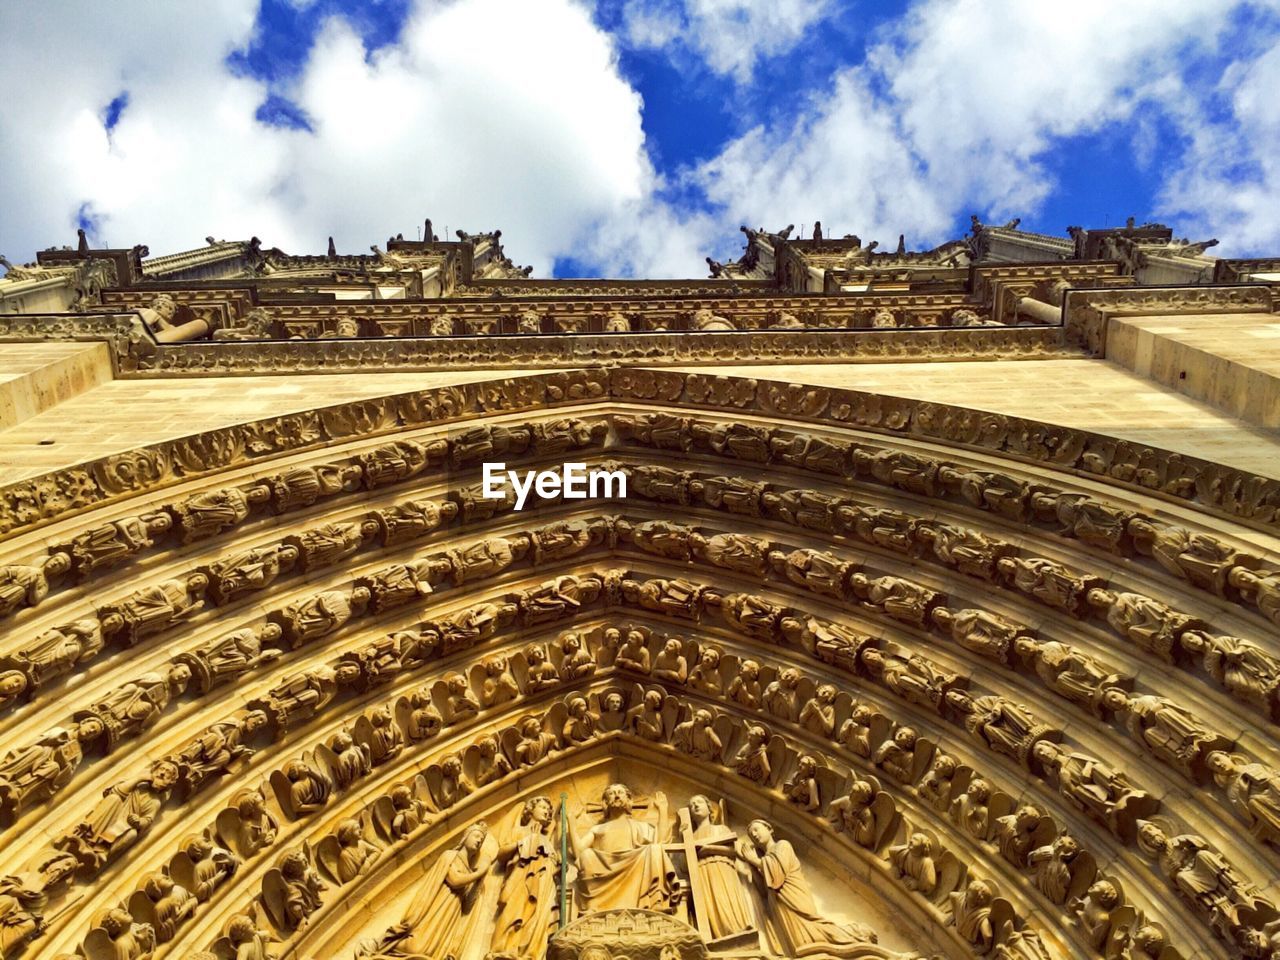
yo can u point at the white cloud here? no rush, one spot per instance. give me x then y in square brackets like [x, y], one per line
[732, 36]
[513, 114]
[956, 110]
[486, 113]
[985, 87]
[1227, 183]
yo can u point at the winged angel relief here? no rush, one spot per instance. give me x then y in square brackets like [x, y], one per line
[620, 879]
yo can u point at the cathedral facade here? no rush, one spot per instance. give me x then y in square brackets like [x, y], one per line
[934, 613]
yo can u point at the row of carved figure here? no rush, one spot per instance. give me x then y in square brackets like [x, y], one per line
[1244, 668]
[1069, 672]
[293, 891]
[1216, 487]
[216, 511]
[264, 324]
[1195, 558]
[1086, 782]
[29, 503]
[1240, 666]
[32, 774]
[1170, 732]
[129, 808]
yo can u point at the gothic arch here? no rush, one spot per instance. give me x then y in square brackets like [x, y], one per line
[990, 584]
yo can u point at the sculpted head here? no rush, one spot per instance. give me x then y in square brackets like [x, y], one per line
[538, 810]
[699, 808]
[1115, 699]
[530, 728]
[861, 791]
[179, 676]
[979, 893]
[12, 683]
[1104, 894]
[826, 694]
[1024, 647]
[348, 832]
[613, 702]
[749, 669]
[1149, 940]
[116, 922]
[1046, 754]
[164, 775]
[57, 564]
[617, 796]
[241, 929]
[905, 737]
[294, 866]
[761, 833]
[1151, 838]
[702, 718]
[918, 844]
[475, 836]
[401, 796]
[653, 699]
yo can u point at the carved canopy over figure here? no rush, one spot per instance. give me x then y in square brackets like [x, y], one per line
[621, 861]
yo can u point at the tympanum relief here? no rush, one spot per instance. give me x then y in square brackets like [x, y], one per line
[608, 865]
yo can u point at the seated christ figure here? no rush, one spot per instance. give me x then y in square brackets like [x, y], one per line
[621, 860]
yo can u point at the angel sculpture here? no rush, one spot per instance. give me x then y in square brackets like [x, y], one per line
[291, 891]
[725, 901]
[525, 903]
[346, 853]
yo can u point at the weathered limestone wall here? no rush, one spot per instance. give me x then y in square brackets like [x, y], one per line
[1230, 360]
[1089, 395]
[35, 377]
[118, 415]
[1084, 394]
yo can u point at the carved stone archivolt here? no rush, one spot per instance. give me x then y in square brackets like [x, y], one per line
[328, 705]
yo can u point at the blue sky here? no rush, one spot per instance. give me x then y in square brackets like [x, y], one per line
[632, 137]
